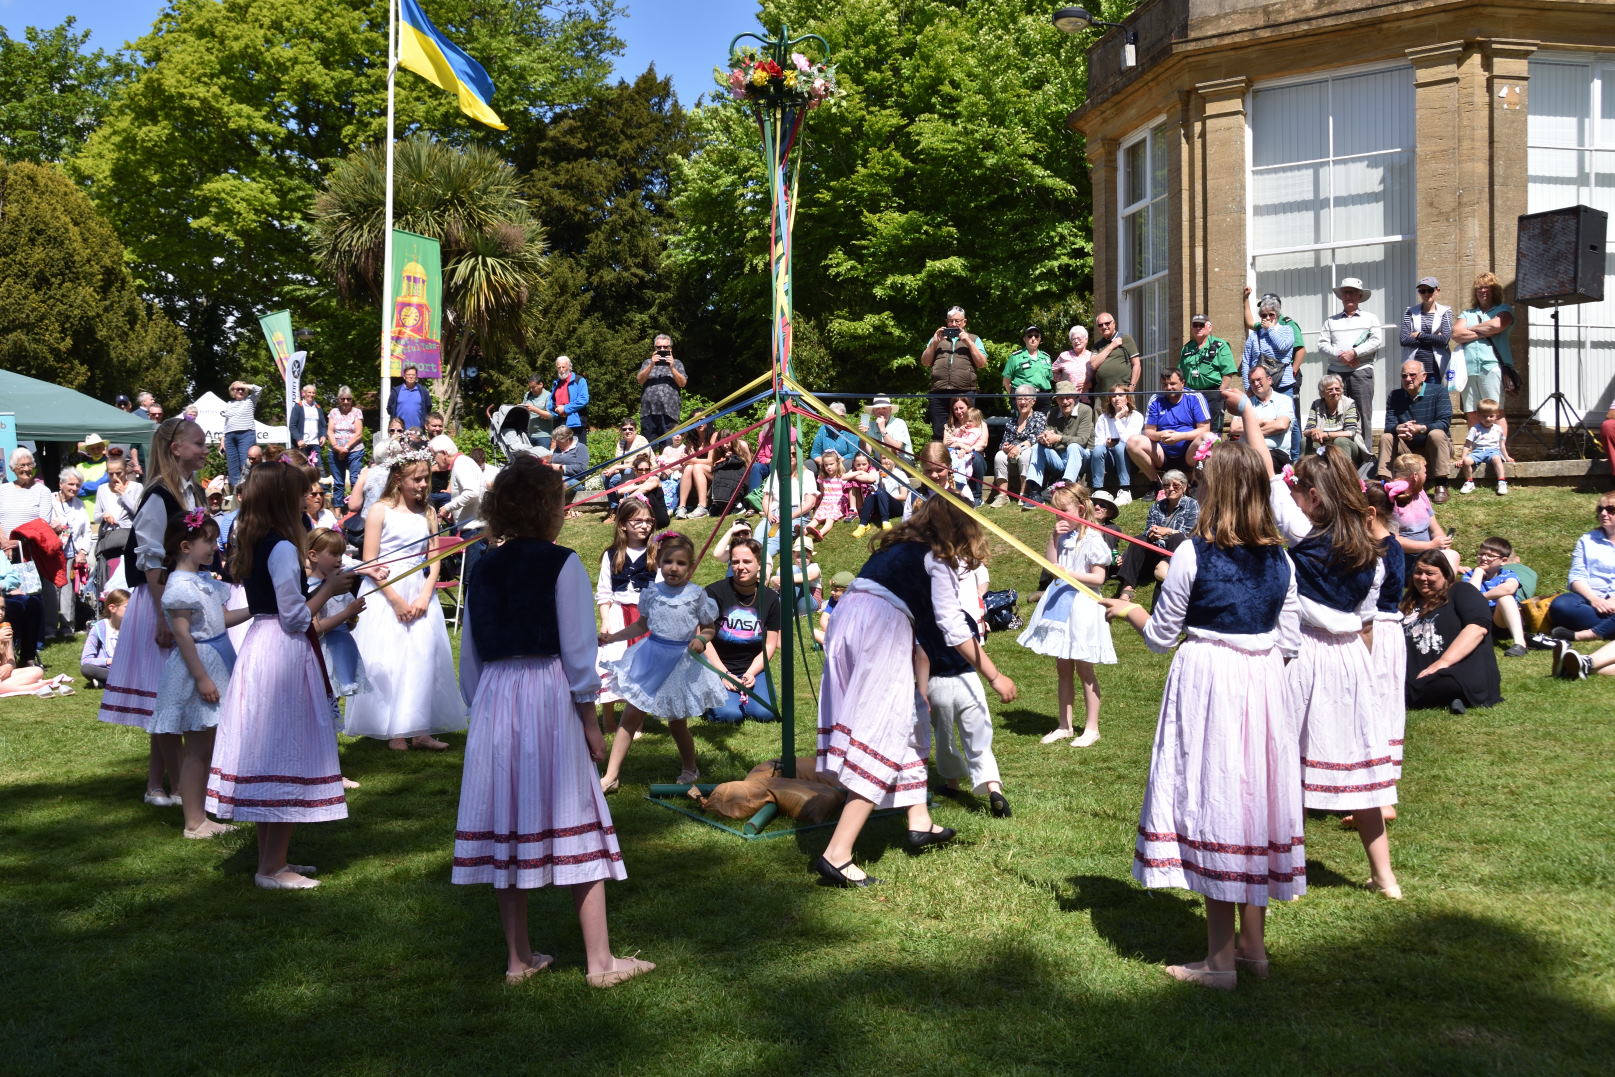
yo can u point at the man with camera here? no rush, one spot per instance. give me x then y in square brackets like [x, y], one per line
[953, 357]
[662, 376]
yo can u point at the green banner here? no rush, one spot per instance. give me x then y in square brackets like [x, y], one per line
[277, 328]
[417, 316]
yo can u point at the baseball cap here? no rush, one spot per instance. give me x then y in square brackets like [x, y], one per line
[842, 579]
[1429, 282]
[1200, 319]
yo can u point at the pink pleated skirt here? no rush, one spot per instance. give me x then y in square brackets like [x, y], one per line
[274, 755]
[873, 735]
[1390, 661]
[1346, 758]
[137, 665]
[531, 812]
[1222, 815]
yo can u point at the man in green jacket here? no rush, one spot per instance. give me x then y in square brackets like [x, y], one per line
[1030, 365]
[1205, 361]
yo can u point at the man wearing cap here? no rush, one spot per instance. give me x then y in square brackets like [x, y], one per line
[1061, 450]
[1426, 329]
[1205, 361]
[1417, 419]
[1030, 365]
[1350, 340]
[955, 359]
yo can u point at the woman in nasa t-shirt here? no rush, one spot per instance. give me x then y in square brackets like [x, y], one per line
[747, 637]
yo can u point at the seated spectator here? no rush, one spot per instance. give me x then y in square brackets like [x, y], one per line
[1587, 610]
[764, 455]
[1175, 423]
[696, 476]
[861, 480]
[747, 633]
[1170, 521]
[1446, 624]
[1500, 585]
[832, 439]
[834, 503]
[1273, 412]
[1333, 421]
[1116, 424]
[781, 528]
[838, 587]
[1061, 451]
[805, 574]
[1012, 464]
[883, 505]
[965, 438]
[739, 531]
[1417, 417]
[101, 641]
[645, 485]
[571, 455]
[1486, 440]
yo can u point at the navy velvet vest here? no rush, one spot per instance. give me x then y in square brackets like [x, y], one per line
[901, 570]
[259, 587]
[510, 599]
[172, 504]
[636, 572]
[1390, 592]
[1318, 578]
[1238, 591]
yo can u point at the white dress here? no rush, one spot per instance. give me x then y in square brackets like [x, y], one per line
[410, 666]
[616, 608]
[1066, 622]
[1222, 815]
[179, 708]
[658, 674]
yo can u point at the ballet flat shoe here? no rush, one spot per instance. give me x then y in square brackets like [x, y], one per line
[1394, 891]
[542, 962]
[920, 840]
[999, 805]
[837, 876]
[275, 882]
[1220, 981]
[636, 967]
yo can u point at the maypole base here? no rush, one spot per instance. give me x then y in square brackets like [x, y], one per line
[669, 796]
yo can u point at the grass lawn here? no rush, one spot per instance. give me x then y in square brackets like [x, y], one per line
[1026, 948]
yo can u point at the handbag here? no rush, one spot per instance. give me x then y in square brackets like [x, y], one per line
[31, 583]
[1457, 370]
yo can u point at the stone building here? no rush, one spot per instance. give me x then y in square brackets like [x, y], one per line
[1287, 145]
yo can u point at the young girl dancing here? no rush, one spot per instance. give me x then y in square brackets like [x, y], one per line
[659, 675]
[1389, 656]
[1345, 736]
[333, 625]
[178, 448]
[275, 759]
[196, 673]
[627, 567]
[405, 642]
[531, 813]
[873, 731]
[1070, 626]
[1222, 814]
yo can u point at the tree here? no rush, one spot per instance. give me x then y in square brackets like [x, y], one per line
[69, 310]
[600, 185]
[52, 93]
[944, 175]
[209, 160]
[466, 199]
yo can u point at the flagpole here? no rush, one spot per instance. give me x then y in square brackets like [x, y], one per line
[387, 238]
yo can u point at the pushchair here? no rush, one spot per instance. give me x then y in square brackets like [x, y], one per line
[507, 429]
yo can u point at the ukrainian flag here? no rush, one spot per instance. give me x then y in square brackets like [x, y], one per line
[423, 49]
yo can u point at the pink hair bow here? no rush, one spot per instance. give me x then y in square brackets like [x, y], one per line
[1205, 448]
[1396, 487]
[194, 518]
[665, 535]
[1288, 475]
[1364, 484]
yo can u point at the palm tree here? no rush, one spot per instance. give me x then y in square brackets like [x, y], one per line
[466, 199]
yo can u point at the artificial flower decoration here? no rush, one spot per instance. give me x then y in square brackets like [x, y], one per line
[756, 79]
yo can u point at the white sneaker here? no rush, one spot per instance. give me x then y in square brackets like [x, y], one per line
[1467, 488]
[1123, 497]
[1502, 487]
[999, 502]
[698, 512]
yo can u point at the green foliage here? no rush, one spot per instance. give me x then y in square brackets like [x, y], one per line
[69, 310]
[52, 93]
[210, 158]
[944, 175]
[599, 182]
[468, 200]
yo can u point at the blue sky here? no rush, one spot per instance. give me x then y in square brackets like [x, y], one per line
[684, 38]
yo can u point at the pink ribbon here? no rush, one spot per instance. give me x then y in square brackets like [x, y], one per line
[1396, 487]
[1288, 475]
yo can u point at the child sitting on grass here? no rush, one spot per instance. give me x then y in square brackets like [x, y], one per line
[101, 641]
[1486, 440]
[838, 587]
[1500, 585]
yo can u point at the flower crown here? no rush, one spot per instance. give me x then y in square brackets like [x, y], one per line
[413, 456]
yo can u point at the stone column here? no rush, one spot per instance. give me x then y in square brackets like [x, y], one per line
[1221, 260]
[1102, 179]
[1438, 133]
[1507, 81]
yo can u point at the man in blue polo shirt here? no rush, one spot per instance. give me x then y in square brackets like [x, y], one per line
[1175, 423]
[1417, 418]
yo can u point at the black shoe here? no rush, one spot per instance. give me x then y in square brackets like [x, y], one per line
[1540, 642]
[1457, 706]
[920, 840]
[833, 875]
[1563, 633]
[1000, 806]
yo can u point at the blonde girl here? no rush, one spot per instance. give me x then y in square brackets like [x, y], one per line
[833, 495]
[1413, 517]
[626, 568]
[1068, 625]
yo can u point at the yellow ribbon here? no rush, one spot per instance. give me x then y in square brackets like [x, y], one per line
[1013, 542]
[426, 564]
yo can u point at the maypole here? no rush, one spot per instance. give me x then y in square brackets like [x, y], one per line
[387, 235]
[780, 85]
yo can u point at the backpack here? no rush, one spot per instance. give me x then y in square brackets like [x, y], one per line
[1001, 615]
[727, 477]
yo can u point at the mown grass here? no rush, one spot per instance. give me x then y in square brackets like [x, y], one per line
[1026, 948]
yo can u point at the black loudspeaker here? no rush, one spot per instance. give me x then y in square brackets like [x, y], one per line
[1560, 257]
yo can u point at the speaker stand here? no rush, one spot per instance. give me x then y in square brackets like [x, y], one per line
[1561, 408]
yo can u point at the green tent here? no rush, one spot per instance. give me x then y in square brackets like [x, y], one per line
[48, 412]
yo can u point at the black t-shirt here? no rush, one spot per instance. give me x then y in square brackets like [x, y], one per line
[742, 630]
[1430, 636]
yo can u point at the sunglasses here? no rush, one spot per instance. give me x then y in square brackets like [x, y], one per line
[1600, 510]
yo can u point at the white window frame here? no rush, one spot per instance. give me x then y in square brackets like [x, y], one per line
[1128, 315]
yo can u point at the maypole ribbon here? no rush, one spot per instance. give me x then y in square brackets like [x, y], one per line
[1014, 543]
[424, 565]
[657, 469]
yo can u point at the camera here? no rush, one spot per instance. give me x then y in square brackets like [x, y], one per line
[952, 333]
[664, 352]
